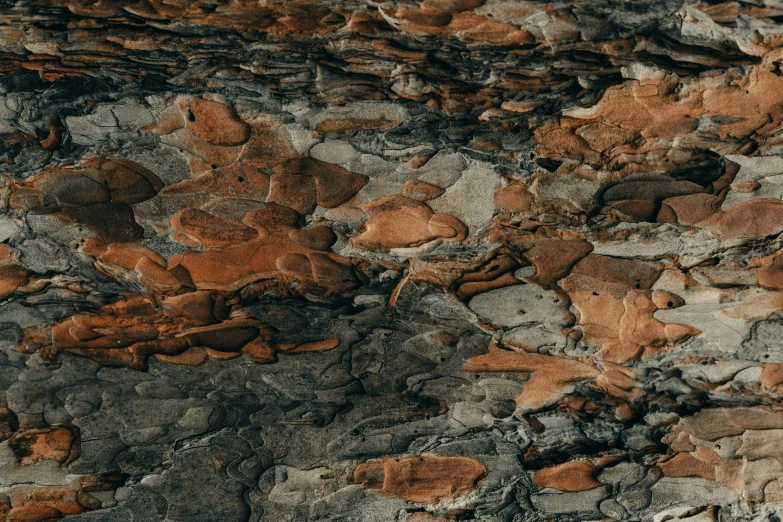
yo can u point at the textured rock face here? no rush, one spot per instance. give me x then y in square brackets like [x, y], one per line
[495, 260]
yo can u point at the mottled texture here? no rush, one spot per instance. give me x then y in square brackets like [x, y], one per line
[373, 261]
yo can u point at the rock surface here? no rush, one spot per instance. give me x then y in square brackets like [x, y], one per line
[371, 261]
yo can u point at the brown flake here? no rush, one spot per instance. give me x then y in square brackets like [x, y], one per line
[425, 479]
[400, 222]
[577, 475]
[551, 378]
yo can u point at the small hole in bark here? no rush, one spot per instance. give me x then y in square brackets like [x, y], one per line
[191, 116]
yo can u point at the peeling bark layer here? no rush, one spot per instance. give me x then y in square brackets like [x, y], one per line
[370, 261]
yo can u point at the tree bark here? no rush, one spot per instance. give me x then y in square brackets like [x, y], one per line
[488, 260]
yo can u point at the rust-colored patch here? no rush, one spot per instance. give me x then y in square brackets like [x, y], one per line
[551, 378]
[400, 222]
[427, 479]
[578, 475]
[36, 445]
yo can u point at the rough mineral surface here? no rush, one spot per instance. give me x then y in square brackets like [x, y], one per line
[388, 261]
